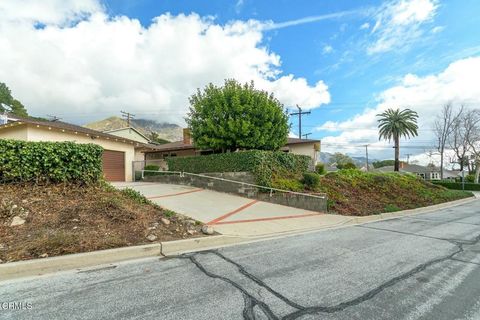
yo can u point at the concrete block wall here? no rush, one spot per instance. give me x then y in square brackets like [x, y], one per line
[287, 199]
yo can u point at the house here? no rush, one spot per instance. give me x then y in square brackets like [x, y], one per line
[119, 152]
[129, 133]
[424, 172]
[185, 147]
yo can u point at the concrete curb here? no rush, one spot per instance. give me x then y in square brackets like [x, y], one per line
[79, 261]
[173, 248]
[410, 212]
[21, 269]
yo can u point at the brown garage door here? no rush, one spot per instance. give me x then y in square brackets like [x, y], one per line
[114, 165]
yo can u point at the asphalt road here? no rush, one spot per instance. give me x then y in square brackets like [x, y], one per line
[421, 267]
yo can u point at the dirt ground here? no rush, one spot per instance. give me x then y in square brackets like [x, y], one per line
[59, 219]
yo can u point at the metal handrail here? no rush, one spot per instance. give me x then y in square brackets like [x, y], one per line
[182, 174]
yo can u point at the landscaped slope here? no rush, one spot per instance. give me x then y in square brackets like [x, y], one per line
[353, 192]
[56, 219]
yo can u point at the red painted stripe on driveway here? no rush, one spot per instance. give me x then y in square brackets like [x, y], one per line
[174, 194]
[271, 218]
[231, 213]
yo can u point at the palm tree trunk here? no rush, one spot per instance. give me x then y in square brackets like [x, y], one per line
[397, 153]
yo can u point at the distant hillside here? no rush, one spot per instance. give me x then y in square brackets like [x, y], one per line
[359, 161]
[167, 131]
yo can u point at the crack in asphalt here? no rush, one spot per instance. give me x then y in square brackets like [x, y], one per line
[250, 301]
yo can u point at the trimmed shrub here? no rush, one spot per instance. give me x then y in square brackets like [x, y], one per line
[150, 167]
[470, 178]
[263, 164]
[22, 161]
[311, 180]
[320, 168]
[287, 184]
[346, 166]
[458, 185]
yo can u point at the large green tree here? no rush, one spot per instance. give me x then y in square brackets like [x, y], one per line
[235, 117]
[341, 160]
[9, 103]
[394, 124]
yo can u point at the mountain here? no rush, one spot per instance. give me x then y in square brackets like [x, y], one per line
[167, 131]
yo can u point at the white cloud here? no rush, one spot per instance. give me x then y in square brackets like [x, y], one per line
[47, 11]
[85, 64]
[365, 26]
[438, 29]
[279, 25]
[239, 5]
[398, 23]
[458, 84]
[327, 49]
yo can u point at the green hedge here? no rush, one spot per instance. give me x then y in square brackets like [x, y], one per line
[263, 164]
[24, 161]
[458, 185]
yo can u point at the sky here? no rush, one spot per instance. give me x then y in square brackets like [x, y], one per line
[345, 61]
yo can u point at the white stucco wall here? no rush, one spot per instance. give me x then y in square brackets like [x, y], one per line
[307, 149]
[15, 132]
[139, 156]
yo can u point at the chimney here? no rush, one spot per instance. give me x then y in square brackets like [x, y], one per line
[187, 136]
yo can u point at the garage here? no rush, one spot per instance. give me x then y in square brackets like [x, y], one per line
[114, 165]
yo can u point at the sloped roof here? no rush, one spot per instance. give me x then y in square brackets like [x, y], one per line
[15, 120]
[297, 141]
[128, 128]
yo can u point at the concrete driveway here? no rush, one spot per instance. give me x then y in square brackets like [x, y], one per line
[230, 214]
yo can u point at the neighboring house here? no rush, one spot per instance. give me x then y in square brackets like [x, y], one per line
[129, 133]
[118, 155]
[185, 147]
[424, 172]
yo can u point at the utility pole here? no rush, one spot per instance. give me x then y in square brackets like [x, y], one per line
[127, 115]
[306, 135]
[299, 114]
[408, 158]
[366, 155]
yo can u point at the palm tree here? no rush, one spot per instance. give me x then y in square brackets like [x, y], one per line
[393, 124]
